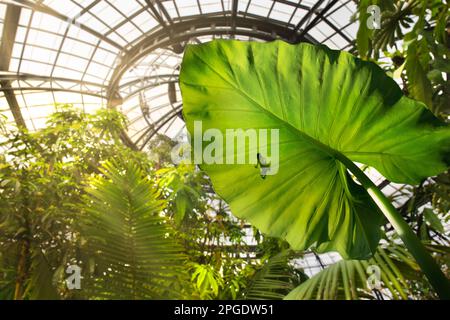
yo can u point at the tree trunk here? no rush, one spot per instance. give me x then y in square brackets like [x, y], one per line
[22, 270]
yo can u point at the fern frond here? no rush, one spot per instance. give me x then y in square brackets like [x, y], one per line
[274, 280]
[348, 279]
[134, 252]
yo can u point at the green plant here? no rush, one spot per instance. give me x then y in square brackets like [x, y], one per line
[415, 35]
[275, 278]
[42, 175]
[184, 190]
[130, 247]
[334, 111]
[214, 238]
[207, 280]
[348, 279]
[43, 178]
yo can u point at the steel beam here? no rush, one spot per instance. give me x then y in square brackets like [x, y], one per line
[7, 76]
[158, 17]
[295, 5]
[234, 10]
[47, 10]
[319, 16]
[307, 16]
[164, 11]
[10, 25]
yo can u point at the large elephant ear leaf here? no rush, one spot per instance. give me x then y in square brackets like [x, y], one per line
[328, 106]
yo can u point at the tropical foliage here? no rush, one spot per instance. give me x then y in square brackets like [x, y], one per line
[42, 177]
[140, 227]
[347, 111]
[130, 247]
[414, 34]
[73, 194]
[348, 279]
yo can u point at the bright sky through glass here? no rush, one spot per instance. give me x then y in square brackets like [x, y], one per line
[60, 63]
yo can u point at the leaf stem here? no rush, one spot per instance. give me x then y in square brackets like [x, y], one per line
[429, 267]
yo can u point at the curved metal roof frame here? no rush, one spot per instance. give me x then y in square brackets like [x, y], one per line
[168, 24]
[181, 31]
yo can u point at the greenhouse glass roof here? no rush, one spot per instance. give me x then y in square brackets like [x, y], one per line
[126, 54]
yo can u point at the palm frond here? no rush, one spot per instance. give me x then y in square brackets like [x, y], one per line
[275, 279]
[135, 255]
[41, 285]
[348, 279]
